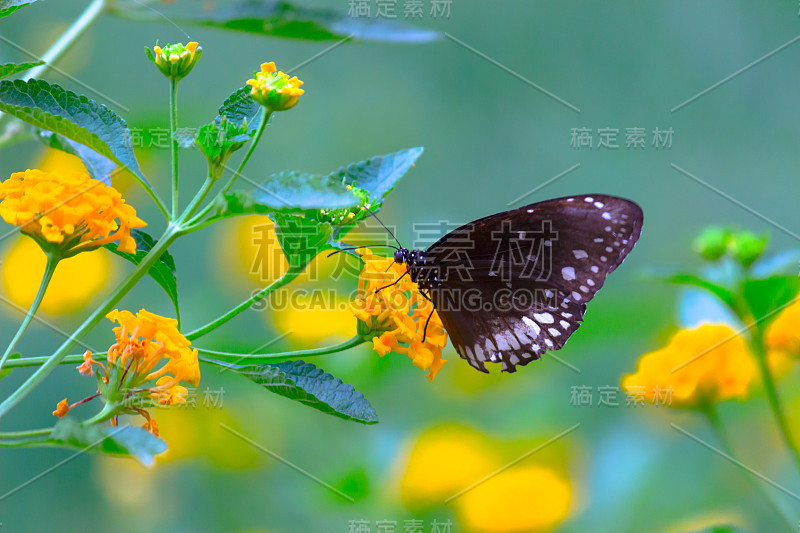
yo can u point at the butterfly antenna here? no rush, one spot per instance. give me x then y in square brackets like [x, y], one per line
[365, 246]
[384, 227]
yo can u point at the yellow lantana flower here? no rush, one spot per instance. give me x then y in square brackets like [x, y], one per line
[68, 211]
[395, 316]
[274, 89]
[175, 60]
[698, 367]
[143, 341]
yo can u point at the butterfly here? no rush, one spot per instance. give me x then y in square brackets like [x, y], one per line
[510, 286]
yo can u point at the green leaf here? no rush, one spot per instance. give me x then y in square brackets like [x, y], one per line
[719, 291]
[297, 191]
[123, 440]
[765, 296]
[218, 142]
[301, 238]
[286, 20]
[240, 108]
[9, 6]
[305, 383]
[163, 271]
[379, 175]
[9, 69]
[98, 166]
[75, 117]
[7, 371]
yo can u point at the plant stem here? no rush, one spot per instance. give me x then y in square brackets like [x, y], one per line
[26, 433]
[173, 128]
[49, 269]
[287, 277]
[771, 390]
[260, 359]
[722, 436]
[25, 362]
[54, 360]
[67, 39]
[262, 126]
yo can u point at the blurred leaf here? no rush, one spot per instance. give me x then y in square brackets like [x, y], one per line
[124, 440]
[355, 484]
[75, 117]
[764, 296]
[719, 291]
[7, 371]
[98, 166]
[286, 20]
[305, 383]
[9, 69]
[720, 529]
[9, 6]
[163, 271]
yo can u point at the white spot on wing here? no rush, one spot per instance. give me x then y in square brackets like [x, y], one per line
[533, 325]
[568, 273]
[580, 254]
[544, 318]
[606, 215]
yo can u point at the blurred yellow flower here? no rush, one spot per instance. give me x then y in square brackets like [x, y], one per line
[196, 431]
[444, 461]
[311, 319]
[68, 211]
[274, 89]
[522, 499]
[697, 368]
[75, 282]
[783, 334]
[396, 316]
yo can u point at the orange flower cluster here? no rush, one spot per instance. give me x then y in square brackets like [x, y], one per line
[701, 366]
[68, 210]
[144, 340]
[395, 316]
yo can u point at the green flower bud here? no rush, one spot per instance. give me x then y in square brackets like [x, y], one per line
[747, 247]
[713, 243]
[175, 61]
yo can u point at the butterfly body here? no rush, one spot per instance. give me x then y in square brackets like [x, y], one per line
[510, 286]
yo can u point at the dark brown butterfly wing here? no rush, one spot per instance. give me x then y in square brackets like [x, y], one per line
[515, 284]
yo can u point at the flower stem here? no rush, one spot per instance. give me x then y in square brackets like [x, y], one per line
[286, 278]
[173, 128]
[49, 269]
[260, 359]
[65, 42]
[54, 360]
[262, 126]
[771, 390]
[39, 361]
[716, 424]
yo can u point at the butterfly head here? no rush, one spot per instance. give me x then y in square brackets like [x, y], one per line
[402, 256]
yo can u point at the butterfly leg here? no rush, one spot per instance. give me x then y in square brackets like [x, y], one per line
[425, 331]
[392, 284]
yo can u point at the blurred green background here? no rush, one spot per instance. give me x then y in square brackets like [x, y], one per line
[489, 138]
